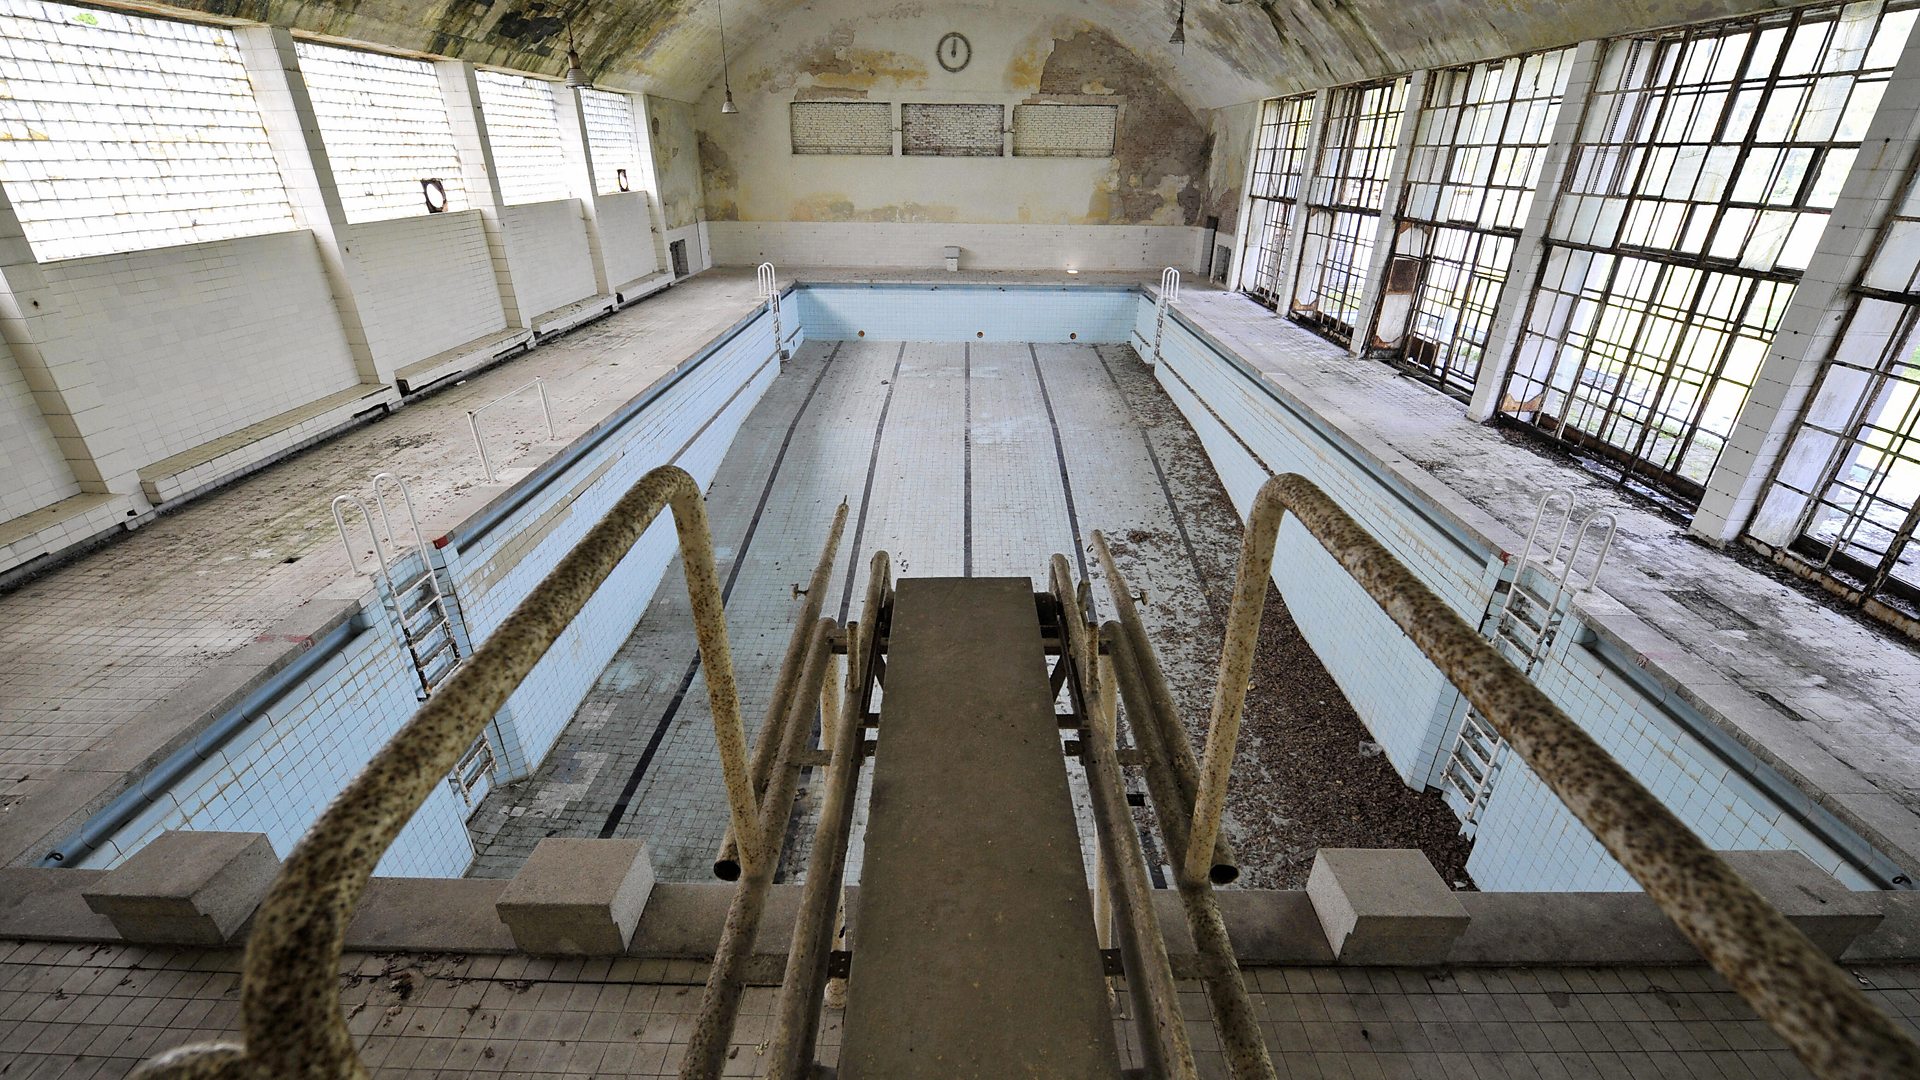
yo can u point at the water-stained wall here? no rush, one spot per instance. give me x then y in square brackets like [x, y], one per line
[1229, 137]
[1156, 176]
[676, 160]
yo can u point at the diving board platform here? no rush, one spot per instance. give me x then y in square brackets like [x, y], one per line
[974, 952]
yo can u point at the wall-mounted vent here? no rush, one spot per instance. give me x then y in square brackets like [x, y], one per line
[842, 127]
[930, 130]
[1064, 130]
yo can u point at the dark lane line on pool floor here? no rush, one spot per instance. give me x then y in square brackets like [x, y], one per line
[660, 729]
[1060, 455]
[1166, 489]
[866, 493]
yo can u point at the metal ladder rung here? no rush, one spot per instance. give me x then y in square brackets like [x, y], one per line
[423, 599]
[437, 676]
[417, 627]
[421, 660]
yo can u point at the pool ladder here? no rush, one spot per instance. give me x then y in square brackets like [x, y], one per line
[419, 606]
[1522, 628]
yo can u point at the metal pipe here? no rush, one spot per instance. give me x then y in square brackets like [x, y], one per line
[720, 1002]
[1794, 987]
[473, 420]
[1223, 868]
[726, 862]
[1163, 1026]
[797, 1010]
[290, 1003]
[1234, 1018]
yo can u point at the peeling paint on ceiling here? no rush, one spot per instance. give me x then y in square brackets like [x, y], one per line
[1234, 52]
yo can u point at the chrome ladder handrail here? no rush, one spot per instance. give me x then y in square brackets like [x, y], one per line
[1169, 293]
[473, 420]
[1787, 980]
[769, 290]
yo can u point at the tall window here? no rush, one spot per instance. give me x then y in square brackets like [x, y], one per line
[387, 133]
[524, 127]
[1703, 176]
[1845, 498]
[1343, 205]
[1477, 153]
[1279, 156]
[119, 133]
[610, 140]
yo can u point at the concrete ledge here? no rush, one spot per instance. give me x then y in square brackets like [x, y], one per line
[55, 528]
[1826, 911]
[641, 287]
[1269, 928]
[1385, 906]
[430, 914]
[562, 319]
[459, 360]
[577, 897]
[186, 888]
[256, 445]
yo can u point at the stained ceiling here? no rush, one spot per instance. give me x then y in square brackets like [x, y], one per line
[1234, 52]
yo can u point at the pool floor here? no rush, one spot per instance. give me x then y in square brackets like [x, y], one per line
[958, 459]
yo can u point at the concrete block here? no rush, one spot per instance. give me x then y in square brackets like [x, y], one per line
[1384, 906]
[1825, 910]
[187, 888]
[578, 897]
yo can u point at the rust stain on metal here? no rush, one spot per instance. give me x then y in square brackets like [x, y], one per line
[1794, 987]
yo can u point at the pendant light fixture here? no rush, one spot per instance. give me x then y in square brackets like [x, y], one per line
[576, 75]
[1179, 26]
[727, 107]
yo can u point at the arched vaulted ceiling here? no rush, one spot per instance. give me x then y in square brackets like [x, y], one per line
[1235, 52]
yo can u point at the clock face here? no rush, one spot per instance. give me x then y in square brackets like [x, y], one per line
[954, 51]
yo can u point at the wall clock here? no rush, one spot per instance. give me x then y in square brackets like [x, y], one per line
[954, 51]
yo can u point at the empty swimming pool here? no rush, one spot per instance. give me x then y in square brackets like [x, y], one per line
[973, 430]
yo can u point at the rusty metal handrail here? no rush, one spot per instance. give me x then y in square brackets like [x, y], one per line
[726, 980]
[726, 862]
[290, 1002]
[1793, 986]
[1223, 868]
[1122, 867]
[797, 1008]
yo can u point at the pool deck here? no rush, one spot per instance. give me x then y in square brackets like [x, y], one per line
[114, 657]
[75, 1011]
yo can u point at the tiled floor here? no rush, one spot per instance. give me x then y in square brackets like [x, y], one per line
[96, 1011]
[947, 456]
[88, 648]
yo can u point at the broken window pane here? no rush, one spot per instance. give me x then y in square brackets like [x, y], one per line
[1477, 153]
[1279, 154]
[1345, 194]
[1844, 499]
